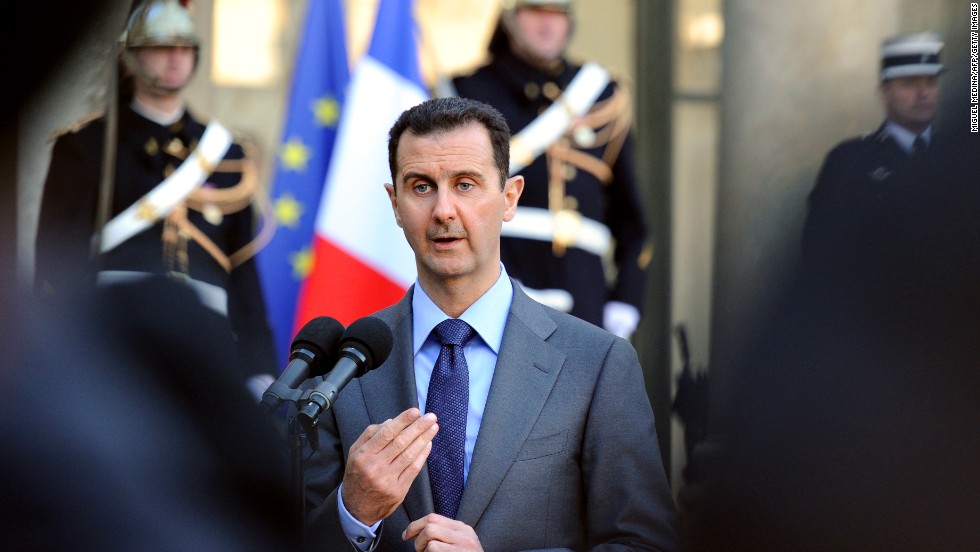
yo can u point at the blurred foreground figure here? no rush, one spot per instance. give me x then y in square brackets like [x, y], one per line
[180, 199]
[846, 430]
[124, 426]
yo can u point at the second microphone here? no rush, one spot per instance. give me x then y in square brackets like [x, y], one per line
[364, 346]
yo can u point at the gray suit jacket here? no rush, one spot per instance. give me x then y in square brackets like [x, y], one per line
[566, 458]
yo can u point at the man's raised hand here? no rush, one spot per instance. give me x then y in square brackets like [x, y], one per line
[384, 461]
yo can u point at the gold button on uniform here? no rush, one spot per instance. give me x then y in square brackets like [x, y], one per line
[584, 136]
[175, 147]
[151, 147]
[212, 213]
[551, 90]
[531, 90]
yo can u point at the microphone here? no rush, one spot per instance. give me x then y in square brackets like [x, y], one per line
[364, 345]
[312, 352]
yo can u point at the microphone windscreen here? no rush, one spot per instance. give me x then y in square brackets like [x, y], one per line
[372, 337]
[321, 336]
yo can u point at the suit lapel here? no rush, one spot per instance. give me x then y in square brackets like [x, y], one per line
[397, 372]
[390, 389]
[526, 370]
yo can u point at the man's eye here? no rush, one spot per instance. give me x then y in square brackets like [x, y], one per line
[466, 186]
[421, 188]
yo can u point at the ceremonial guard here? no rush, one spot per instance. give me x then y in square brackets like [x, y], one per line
[177, 199]
[578, 241]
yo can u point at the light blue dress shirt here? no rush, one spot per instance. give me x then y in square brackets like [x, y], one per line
[905, 137]
[488, 316]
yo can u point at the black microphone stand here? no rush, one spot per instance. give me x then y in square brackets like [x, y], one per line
[296, 440]
[297, 469]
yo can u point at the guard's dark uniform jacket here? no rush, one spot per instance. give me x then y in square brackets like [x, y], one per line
[209, 238]
[589, 172]
[902, 230]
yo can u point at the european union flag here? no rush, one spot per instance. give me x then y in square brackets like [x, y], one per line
[320, 75]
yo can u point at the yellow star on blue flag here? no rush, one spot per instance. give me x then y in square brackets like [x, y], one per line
[326, 110]
[287, 210]
[294, 155]
[302, 263]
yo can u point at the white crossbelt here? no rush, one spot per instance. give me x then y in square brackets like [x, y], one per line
[533, 223]
[163, 198]
[581, 93]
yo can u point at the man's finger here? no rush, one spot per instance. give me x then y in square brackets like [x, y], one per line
[411, 435]
[366, 435]
[389, 429]
[415, 527]
[414, 456]
[434, 528]
[407, 437]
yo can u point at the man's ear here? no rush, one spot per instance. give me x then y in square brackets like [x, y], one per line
[393, 198]
[513, 188]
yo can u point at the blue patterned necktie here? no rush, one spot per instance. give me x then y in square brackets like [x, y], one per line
[448, 398]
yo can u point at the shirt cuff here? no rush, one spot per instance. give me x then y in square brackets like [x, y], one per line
[360, 535]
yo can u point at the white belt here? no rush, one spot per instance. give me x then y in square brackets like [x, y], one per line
[162, 199]
[211, 296]
[533, 223]
[575, 101]
[558, 299]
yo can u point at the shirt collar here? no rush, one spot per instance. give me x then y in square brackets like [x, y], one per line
[158, 116]
[906, 137]
[488, 315]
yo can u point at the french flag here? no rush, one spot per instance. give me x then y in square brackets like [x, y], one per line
[362, 262]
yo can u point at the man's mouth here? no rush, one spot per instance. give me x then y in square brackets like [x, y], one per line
[445, 242]
[445, 235]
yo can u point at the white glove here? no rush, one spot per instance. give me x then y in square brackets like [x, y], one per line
[620, 318]
[258, 384]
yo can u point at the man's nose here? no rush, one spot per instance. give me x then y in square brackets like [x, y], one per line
[923, 89]
[445, 207]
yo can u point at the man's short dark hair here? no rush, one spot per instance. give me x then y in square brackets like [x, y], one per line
[445, 114]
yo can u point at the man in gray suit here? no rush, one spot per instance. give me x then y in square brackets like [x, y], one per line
[556, 445]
